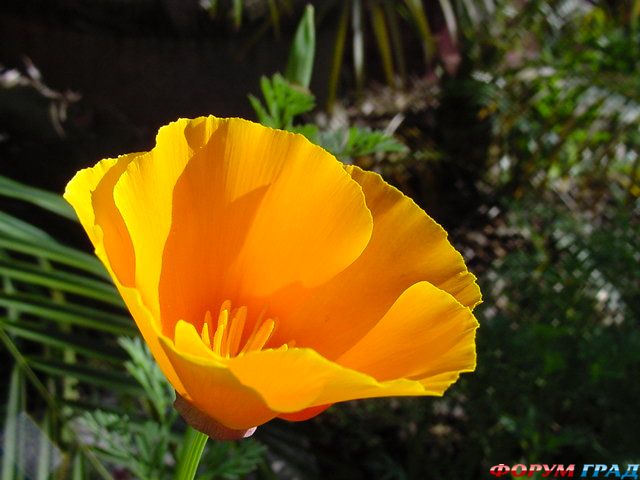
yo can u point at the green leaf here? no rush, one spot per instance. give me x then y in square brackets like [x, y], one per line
[10, 444]
[47, 200]
[90, 375]
[15, 228]
[357, 45]
[274, 13]
[64, 281]
[140, 447]
[338, 55]
[301, 57]
[364, 141]
[419, 16]
[450, 18]
[382, 39]
[68, 313]
[51, 250]
[263, 115]
[309, 130]
[47, 336]
[189, 457]
[283, 102]
[358, 142]
[231, 460]
[77, 470]
[145, 370]
[237, 13]
[396, 40]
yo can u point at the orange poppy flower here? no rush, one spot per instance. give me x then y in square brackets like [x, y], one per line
[270, 280]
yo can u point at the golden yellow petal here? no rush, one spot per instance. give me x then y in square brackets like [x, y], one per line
[406, 247]
[150, 329]
[256, 210]
[421, 244]
[250, 389]
[209, 384]
[426, 333]
[143, 195]
[90, 193]
[79, 190]
[291, 380]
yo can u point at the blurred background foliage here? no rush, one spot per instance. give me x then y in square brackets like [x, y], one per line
[513, 122]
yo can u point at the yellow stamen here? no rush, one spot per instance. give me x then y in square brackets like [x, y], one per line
[221, 332]
[261, 337]
[236, 329]
[204, 334]
[227, 338]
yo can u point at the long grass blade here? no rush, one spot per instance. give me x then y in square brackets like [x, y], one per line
[81, 344]
[64, 281]
[15, 228]
[89, 375]
[237, 14]
[43, 199]
[338, 54]
[382, 39]
[10, 434]
[396, 41]
[472, 12]
[77, 469]
[449, 18]
[68, 313]
[357, 27]
[55, 252]
[274, 14]
[22, 363]
[300, 64]
[46, 457]
[419, 17]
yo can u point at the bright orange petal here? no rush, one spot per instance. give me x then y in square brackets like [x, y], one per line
[209, 384]
[425, 334]
[150, 329]
[256, 210]
[420, 245]
[291, 380]
[406, 247]
[143, 195]
[90, 192]
[247, 390]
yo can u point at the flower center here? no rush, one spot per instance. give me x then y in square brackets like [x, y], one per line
[225, 338]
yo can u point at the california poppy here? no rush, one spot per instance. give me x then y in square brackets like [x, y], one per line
[270, 280]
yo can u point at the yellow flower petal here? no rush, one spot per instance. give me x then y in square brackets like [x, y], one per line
[225, 215]
[425, 334]
[209, 384]
[90, 192]
[254, 211]
[406, 247]
[268, 382]
[143, 195]
[294, 379]
[422, 248]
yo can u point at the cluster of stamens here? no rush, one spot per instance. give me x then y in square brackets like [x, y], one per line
[225, 338]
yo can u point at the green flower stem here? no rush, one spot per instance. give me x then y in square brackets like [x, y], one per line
[190, 453]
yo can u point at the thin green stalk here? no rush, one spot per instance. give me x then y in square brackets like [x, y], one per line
[23, 365]
[338, 53]
[192, 447]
